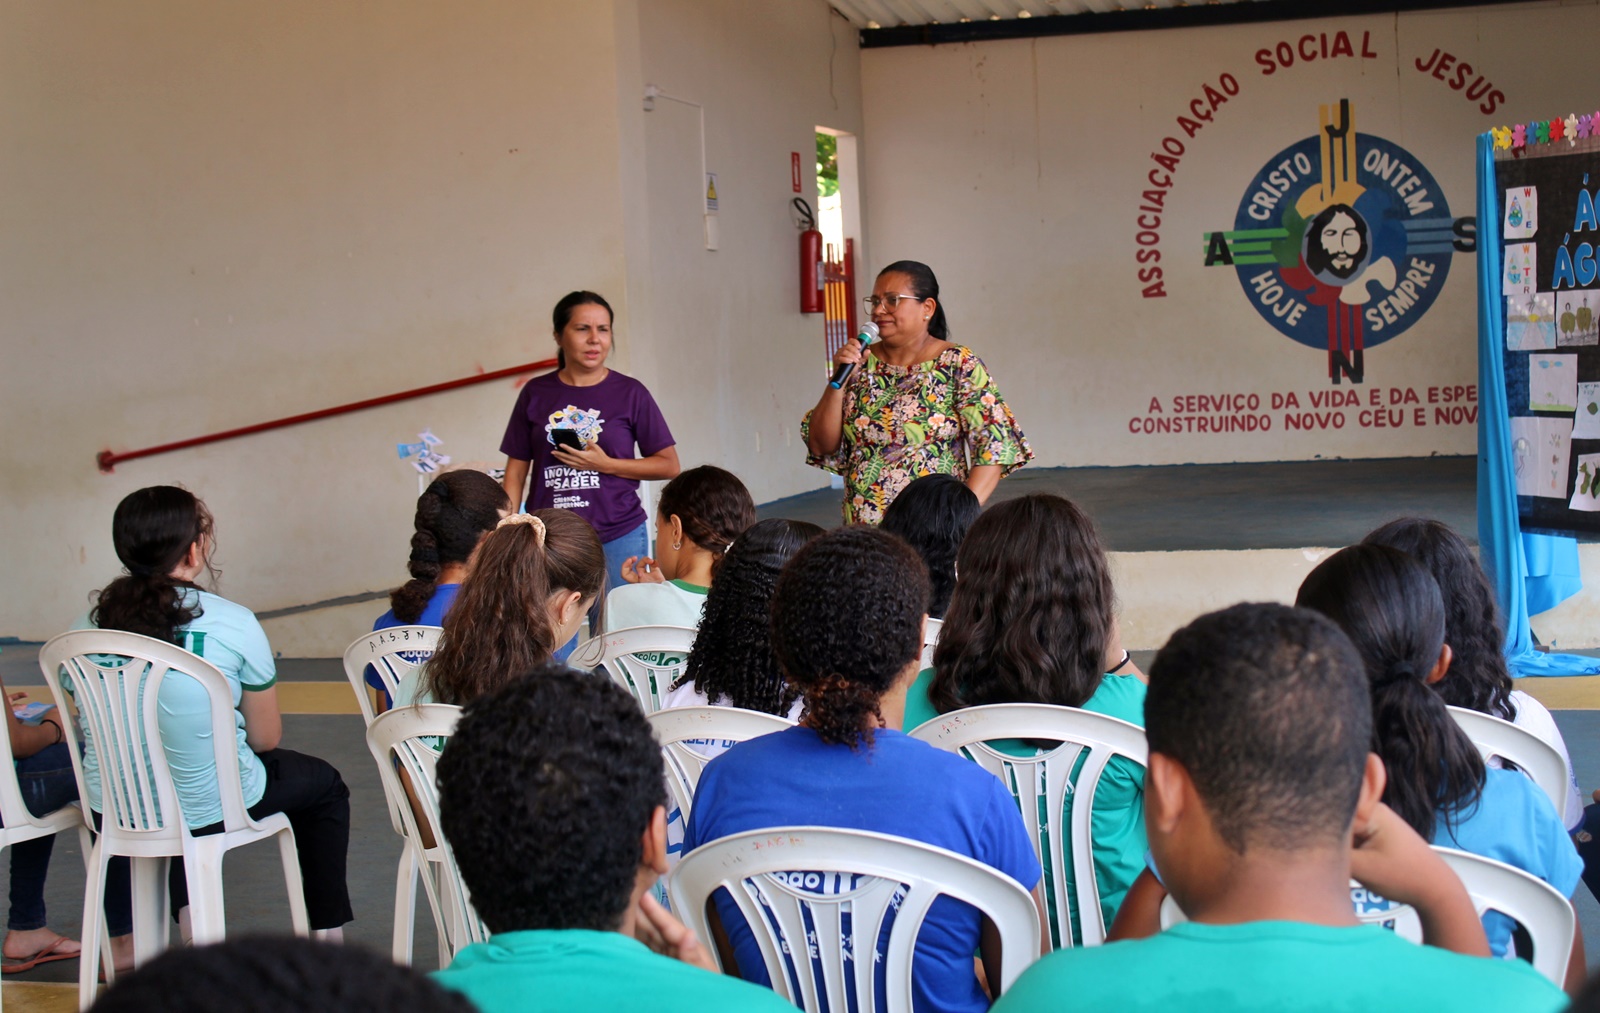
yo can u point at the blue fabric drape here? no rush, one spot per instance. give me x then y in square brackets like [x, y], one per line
[1506, 553]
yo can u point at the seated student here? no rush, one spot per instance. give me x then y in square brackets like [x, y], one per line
[732, 664]
[276, 974]
[1390, 607]
[163, 535]
[933, 514]
[699, 515]
[1477, 678]
[533, 579]
[1031, 621]
[453, 514]
[1261, 802]
[847, 630]
[550, 795]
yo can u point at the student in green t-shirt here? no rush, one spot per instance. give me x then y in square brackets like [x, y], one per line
[551, 798]
[1031, 620]
[1262, 802]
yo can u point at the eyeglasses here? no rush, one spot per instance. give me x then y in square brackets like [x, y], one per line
[889, 301]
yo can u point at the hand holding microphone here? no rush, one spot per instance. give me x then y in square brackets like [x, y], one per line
[851, 353]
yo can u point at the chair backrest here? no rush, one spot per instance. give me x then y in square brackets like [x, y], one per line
[113, 679]
[1534, 756]
[409, 739]
[809, 940]
[1528, 900]
[1043, 784]
[644, 660]
[679, 728]
[930, 640]
[391, 653]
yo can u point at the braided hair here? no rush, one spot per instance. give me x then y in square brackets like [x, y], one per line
[453, 514]
[152, 531]
[713, 506]
[732, 661]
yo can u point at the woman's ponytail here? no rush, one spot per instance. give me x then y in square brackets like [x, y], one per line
[152, 531]
[713, 506]
[1434, 771]
[453, 515]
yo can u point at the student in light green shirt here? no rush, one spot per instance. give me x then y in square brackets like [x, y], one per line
[551, 797]
[1031, 621]
[1262, 802]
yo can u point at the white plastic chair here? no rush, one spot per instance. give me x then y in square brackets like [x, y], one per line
[387, 652]
[899, 882]
[1042, 784]
[930, 640]
[644, 660]
[411, 735]
[113, 679]
[677, 727]
[1494, 886]
[1534, 756]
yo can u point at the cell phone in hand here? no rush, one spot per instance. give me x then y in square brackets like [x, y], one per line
[567, 438]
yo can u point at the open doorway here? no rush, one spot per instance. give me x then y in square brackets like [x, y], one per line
[839, 221]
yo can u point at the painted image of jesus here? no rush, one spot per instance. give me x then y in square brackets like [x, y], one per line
[1335, 246]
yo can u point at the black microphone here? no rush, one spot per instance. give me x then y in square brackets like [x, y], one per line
[869, 334]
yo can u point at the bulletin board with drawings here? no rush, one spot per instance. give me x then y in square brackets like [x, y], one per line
[1549, 227]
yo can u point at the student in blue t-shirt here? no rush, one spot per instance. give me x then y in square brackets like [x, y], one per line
[847, 630]
[1032, 621]
[1261, 803]
[1390, 606]
[551, 797]
[453, 514]
[163, 535]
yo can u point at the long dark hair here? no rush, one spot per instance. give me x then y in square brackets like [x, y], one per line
[713, 506]
[1478, 678]
[924, 286]
[732, 659]
[456, 510]
[1391, 609]
[846, 622]
[561, 316]
[1031, 616]
[500, 624]
[933, 514]
[152, 531]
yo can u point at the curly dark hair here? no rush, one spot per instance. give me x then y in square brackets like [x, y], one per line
[277, 974]
[545, 790]
[732, 659]
[1266, 708]
[1478, 678]
[152, 531]
[933, 514]
[1391, 609]
[1031, 616]
[453, 514]
[846, 623]
[712, 504]
[500, 624]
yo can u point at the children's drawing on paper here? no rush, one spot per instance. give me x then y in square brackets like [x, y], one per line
[1586, 487]
[1586, 425]
[1576, 318]
[1552, 383]
[1530, 321]
[1522, 262]
[1540, 453]
[1522, 212]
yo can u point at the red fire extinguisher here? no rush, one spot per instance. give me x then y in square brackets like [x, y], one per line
[811, 280]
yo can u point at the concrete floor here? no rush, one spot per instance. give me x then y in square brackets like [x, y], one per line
[1278, 505]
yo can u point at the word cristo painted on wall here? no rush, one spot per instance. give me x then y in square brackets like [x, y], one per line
[1374, 408]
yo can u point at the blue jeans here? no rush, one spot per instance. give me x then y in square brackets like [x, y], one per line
[618, 551]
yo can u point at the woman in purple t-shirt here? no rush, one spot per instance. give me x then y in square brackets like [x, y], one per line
[608, 414]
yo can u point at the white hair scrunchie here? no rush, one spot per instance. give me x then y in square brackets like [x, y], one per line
[528, 519]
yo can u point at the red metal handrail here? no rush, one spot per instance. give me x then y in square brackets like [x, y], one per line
[109, 460]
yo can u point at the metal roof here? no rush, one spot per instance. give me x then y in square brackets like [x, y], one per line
[894, 13]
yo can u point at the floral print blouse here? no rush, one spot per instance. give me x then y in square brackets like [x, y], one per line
[903, 422]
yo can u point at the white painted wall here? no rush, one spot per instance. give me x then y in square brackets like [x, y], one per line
[217, 214]
[1017, 169]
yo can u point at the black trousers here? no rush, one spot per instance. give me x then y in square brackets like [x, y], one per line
[314, 797]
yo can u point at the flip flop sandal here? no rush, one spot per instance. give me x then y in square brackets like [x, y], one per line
[47, 955]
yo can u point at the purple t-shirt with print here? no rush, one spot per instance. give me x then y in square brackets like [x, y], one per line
[618, 412]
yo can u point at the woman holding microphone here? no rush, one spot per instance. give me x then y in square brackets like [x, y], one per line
[576, 430]
[914, 404]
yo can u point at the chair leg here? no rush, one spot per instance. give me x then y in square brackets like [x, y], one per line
[294, 883]
[202, 867]
[405, 907]
[94, 925]
[86, 848]
[151, 903]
